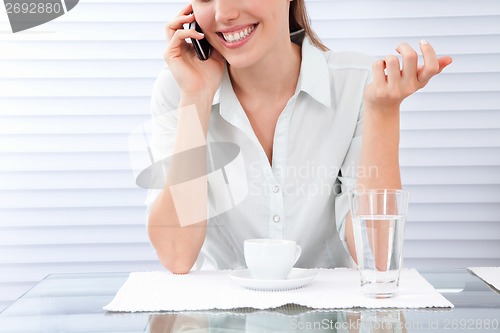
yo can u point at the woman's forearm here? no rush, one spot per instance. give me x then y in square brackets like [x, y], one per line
[177, 222]
[379, 163]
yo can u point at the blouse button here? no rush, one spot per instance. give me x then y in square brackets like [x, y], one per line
[276, 189]
[276, 218]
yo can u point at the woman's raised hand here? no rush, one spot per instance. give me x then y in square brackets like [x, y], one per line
[192, 75]
[392, 84]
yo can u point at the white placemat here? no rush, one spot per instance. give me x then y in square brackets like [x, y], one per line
[206, 290]
[490, 275]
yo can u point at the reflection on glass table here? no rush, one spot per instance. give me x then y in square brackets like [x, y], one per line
[349, 321]
[73, 303]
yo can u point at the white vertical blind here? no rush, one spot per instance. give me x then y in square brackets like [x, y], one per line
[73, 89]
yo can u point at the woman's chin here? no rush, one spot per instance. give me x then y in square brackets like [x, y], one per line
[239, 62]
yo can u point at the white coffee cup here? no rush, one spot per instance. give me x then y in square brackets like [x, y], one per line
[271, 259]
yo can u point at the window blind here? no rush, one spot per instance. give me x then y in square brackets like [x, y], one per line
[73, 89]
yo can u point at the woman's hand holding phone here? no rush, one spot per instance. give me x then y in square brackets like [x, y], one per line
[194, 77]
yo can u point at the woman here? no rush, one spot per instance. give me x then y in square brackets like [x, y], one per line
[296, 111]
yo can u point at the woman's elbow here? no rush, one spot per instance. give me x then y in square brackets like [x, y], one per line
[178, 266]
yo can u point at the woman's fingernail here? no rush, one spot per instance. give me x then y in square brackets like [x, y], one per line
[424, 42]
[201, 34]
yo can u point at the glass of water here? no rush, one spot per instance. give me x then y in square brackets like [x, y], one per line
[378, 220]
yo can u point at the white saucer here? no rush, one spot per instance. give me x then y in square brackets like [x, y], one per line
[297, 278]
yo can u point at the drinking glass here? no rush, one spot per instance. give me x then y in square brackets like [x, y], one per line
[378, 220]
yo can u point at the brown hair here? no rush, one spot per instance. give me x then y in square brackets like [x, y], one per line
[300, 20]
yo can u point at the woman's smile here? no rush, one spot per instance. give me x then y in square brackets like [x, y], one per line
[236, 36]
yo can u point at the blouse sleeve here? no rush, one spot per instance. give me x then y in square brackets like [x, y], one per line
[349, 169]
[348, 179]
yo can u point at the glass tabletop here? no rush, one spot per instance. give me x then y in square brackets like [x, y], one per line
[74, 302]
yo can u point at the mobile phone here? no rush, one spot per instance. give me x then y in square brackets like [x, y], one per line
[202, 46]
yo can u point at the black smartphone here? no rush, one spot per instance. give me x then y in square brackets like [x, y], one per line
[202, 46]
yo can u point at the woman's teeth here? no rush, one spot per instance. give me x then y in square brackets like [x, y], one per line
[237, 36]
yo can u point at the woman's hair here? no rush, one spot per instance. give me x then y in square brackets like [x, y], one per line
[300, 20]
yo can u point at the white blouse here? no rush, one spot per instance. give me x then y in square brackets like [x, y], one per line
[316, 150]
